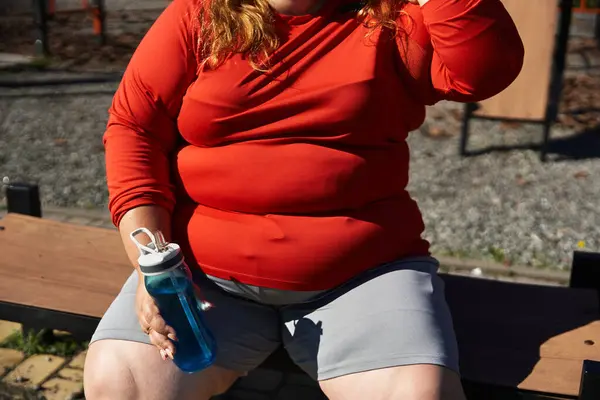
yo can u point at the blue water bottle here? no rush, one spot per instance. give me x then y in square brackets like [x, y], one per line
[169, 281]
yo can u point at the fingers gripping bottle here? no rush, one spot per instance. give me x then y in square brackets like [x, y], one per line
[168, 280]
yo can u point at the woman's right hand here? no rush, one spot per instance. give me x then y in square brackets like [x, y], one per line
[152, 323]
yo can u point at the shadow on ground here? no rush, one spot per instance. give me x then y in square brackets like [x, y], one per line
[583, 145]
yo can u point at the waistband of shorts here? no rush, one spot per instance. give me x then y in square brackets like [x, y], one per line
[280, 297]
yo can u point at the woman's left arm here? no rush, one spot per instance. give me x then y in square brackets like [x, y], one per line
[475, 48]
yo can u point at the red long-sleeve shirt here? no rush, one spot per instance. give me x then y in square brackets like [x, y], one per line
[296, 179]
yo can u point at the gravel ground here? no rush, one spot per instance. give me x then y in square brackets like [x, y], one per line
[505, 204]
[54, 138]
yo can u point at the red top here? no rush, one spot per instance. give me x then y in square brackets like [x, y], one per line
[296, 179]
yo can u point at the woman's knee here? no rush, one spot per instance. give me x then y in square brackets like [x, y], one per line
[423, 382]
[121, 370]
[106, 374]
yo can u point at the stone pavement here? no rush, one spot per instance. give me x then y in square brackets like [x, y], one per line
[53, 377]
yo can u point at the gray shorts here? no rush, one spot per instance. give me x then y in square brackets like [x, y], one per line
[392, 315]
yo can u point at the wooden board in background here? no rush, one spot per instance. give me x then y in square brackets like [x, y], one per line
[527, 97]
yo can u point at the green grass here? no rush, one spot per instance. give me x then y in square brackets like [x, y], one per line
[498, 255]
[41, 342]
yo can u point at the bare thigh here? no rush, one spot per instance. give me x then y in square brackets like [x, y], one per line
[127, 370]
[409, 382]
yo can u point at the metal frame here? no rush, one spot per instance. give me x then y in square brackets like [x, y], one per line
[554, 94]
[43, 10]
[585, 272]
[590, 381]
[34, 319]
[24, 198]
[40, 19]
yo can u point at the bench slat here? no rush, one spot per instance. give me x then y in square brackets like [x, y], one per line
[65, 267]
[516, 335]
[577, 344]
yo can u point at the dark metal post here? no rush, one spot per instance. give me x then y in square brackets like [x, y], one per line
[585, 271]
[547, 129]
[41, 27]
[558, 69]
[23, 198]
[466, 124]
[597, 29]
[590, 381]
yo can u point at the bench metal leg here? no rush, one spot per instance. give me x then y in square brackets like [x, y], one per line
[465, 129]
[585, 271]
[23, 198]
[545, 141]
[590, 381]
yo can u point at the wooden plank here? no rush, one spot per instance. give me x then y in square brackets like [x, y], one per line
[577, 344]
[527, 96]
[65, 267]
[556, 376]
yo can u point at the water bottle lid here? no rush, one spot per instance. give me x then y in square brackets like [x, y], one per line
[156, 257]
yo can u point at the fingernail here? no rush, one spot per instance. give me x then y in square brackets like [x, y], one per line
[163, 355]
[169, 353]
[172, 337]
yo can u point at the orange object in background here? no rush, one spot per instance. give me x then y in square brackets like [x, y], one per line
[582, 6]
[51, 8]
[98, 20]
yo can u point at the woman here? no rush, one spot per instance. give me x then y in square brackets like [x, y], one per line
[267, 138]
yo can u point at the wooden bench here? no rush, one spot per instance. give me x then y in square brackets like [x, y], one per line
[513, 338]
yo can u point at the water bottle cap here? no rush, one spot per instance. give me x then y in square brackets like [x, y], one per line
[156, 257]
